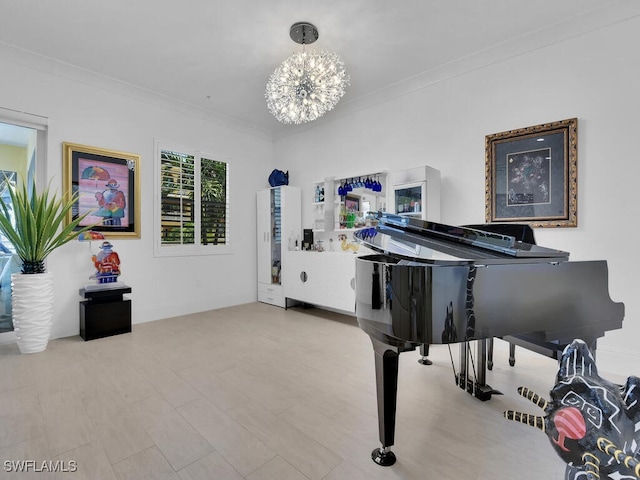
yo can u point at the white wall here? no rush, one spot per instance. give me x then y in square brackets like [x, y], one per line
[593, 77]
[97, 113]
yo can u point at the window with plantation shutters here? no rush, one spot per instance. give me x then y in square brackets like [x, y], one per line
[192, 204]
[177, 195]
[214, 202]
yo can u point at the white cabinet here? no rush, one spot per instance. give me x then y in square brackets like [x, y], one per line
[416, 193]
[325, 279]
[278, 220]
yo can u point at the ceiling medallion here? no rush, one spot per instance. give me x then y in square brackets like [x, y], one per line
[307, 84]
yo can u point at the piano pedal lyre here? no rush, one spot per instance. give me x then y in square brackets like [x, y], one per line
[470, 379]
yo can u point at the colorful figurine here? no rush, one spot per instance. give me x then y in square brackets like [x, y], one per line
[592, 424]
[107, 263]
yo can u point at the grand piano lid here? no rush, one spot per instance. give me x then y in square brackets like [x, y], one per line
[417, 239]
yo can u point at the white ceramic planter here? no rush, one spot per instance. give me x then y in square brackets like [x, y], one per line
[32, 299]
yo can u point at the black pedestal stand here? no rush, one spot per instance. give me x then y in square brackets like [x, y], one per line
[105, 312]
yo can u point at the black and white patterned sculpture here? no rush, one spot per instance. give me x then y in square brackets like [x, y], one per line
[593, 424]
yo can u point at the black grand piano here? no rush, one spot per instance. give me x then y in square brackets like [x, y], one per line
[431, 283]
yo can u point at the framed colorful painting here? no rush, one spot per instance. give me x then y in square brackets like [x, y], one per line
[531, 175]
[107, 183]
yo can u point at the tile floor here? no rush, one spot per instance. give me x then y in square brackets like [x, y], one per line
[256, 392]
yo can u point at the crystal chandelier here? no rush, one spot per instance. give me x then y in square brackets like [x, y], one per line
[307, 84]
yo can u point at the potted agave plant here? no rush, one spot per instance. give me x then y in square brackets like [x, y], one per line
[34, 222]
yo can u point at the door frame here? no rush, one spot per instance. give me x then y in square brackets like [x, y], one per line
[40, 125]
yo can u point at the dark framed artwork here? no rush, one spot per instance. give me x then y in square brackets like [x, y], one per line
[108, 186]
[531, 175]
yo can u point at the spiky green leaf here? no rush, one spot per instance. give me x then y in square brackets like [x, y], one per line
[38, 218]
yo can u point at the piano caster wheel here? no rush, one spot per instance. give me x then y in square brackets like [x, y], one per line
[425, 361]
[512, 361]
[489, 365]
[383, 457]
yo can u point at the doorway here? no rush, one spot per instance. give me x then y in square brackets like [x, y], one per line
[18, 153]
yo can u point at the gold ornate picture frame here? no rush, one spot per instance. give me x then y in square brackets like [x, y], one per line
[108, 186]
[531, 175]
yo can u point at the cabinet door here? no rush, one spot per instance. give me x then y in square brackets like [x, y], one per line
[263, 215]
[323, 279]
[342, 272]
[277, 209]
[306, 277]
[291, 215]
[291, 222]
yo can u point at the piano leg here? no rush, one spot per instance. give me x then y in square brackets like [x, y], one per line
[424, 352]
[512, 354]
[386, 358]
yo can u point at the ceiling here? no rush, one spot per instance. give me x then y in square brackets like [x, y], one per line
[217, 55]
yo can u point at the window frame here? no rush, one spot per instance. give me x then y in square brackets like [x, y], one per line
[197, 248]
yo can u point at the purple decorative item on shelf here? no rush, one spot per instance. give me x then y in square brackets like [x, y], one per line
[278, 178]
[592, 423]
